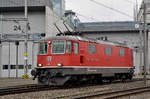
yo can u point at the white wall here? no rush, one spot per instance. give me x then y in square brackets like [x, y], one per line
[36, 20]
[32, 50]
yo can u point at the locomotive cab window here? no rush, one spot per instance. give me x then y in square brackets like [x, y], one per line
[121, 52]
[58, 47]
[76, 48]
[43, 47]
[108, 51]
[68, 47]
[91, 49]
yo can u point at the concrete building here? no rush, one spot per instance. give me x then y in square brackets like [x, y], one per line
[140, 19]
[44, 17]
[123, 32]
[141, 12]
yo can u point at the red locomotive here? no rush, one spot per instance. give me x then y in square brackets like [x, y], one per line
[62, 59]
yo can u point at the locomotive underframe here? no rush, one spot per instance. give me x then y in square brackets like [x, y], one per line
[59, 76]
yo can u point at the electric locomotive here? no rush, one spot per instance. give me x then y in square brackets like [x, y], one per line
[64, 59]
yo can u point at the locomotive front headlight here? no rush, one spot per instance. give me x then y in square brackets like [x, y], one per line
[59, 65]
[39, 65]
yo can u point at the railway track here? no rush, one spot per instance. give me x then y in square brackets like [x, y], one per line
[35, 88]
[23, 89]
[113, 94]
[105, 93]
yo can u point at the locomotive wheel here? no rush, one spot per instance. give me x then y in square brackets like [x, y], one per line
[54, 81]
[41, 81]
[130, 76]
[110, 81]
[124, 78]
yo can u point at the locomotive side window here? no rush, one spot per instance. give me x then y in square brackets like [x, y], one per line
[121, 52]
[91, 49]
[43, 47]
[68, 47]
[58, 47]
[108, 51]
[76, 48]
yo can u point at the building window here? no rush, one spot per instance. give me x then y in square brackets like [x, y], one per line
[12, 66]
[21, 67]
[5, 66]
[121, 52]
[91, 49]
[57, 7]
[76, 48]
[108, 51]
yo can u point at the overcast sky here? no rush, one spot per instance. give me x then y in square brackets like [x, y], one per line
[103, 10]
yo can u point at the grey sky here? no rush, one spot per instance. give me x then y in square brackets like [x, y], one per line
[87, 10]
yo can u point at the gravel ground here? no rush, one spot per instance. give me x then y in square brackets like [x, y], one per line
[8, 82]
[55, 94]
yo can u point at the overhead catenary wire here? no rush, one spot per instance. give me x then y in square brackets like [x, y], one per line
[113, 9]
[129, 1]
[86, 17]
[78, 14]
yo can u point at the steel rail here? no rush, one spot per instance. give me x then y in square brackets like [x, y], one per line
[101, 93]
[35, 88]
[24, 89]
[116, 94]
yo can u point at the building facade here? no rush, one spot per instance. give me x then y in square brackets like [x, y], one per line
[44, 17]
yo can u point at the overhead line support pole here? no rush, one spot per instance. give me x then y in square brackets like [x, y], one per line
[145, 42]
[26, 41]
[0, 55]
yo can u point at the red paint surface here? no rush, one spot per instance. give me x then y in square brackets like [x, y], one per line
[84, 59]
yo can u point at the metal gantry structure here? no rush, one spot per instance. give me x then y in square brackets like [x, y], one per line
[17, 44]
[145, 30]
[0, 56]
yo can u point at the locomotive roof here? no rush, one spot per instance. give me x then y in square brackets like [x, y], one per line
[85, 40]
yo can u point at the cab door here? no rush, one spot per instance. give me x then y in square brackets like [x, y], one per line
[76, 57]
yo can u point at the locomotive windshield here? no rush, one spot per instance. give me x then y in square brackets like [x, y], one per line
[43, 47]
[58, 47]
[61, 47]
